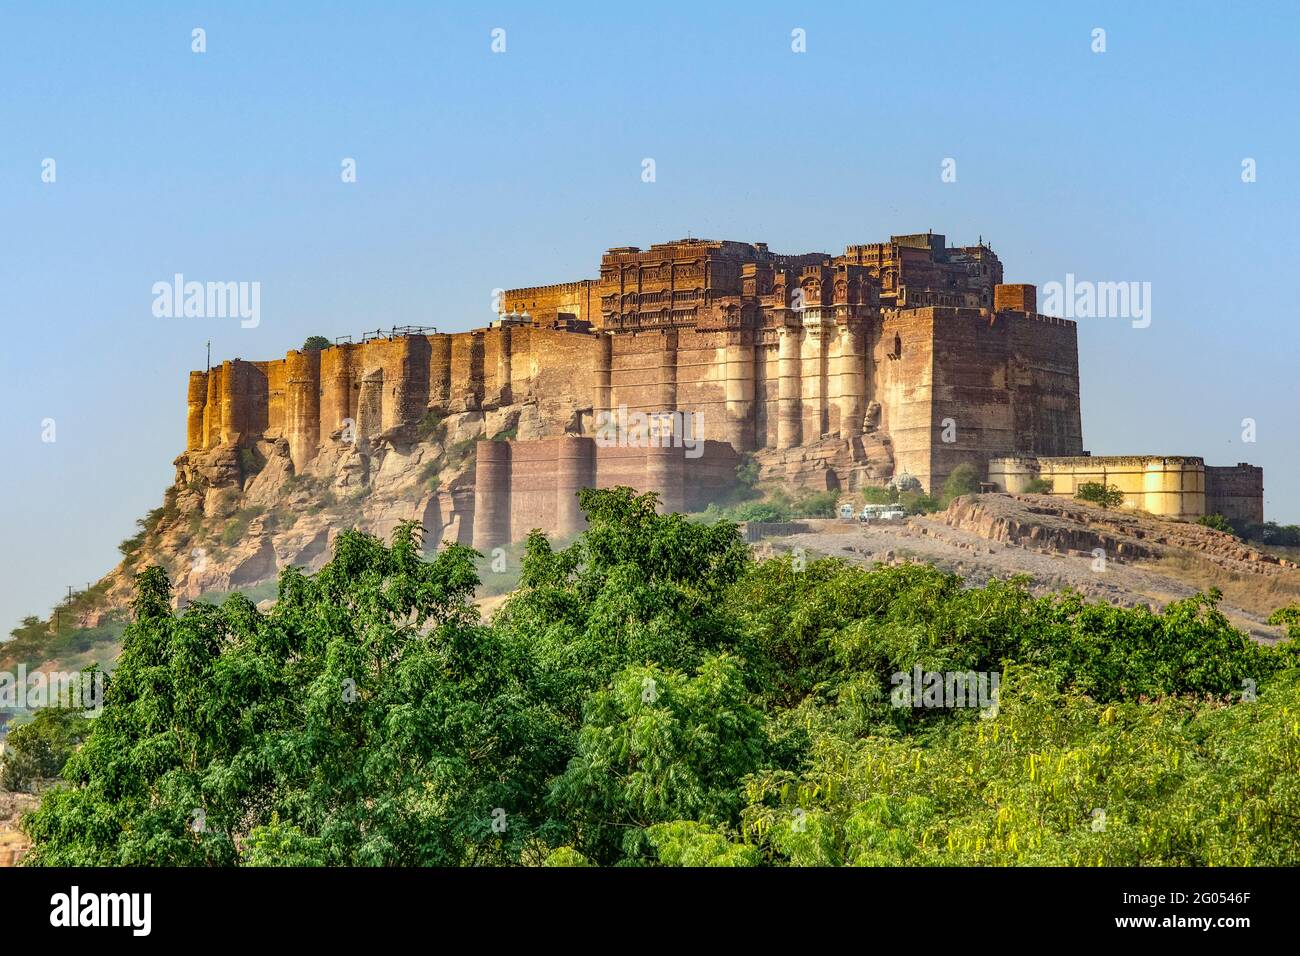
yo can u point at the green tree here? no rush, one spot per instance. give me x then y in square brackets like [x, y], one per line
[316, 343]
[39, 749]
[652, 695]
[962, 480]
[1094, 492]
[1217, 522]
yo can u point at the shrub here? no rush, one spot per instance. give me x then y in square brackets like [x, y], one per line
[962, 480]
[1217, 522]
[818, 504]
[250, 462]
[38, 750]
[237, 526]
[1039, 486]
[874, 495]
[431, 427]
[760, 511]
[747, 471]
[1094, 492]
[916, 503]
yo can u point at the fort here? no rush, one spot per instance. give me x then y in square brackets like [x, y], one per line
[829, 372]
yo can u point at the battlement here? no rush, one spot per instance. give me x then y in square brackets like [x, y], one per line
[878, 348]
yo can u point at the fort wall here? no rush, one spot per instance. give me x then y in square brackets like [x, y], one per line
[910, 353]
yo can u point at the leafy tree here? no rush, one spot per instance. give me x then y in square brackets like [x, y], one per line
[1094, 492]
[652, 695]
[962, 480]
[39, 749]
[1217, 522]
[316, 343]
[874, 495]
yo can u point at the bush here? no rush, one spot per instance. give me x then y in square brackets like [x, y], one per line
[653, 695]
[916, 503]
[818, 504]
[747, 472]
[761, 511]
[962, 480]
[1038, 486]
[1217, 522]
[431, 427]
[1094, 492]
[874, 495]
[38, 750]
[250, 462]
[237, 526]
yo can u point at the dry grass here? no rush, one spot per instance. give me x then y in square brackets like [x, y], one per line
[1262, 592]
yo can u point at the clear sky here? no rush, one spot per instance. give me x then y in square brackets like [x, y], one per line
[478, 170]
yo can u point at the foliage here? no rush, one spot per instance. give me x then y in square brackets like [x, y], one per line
[747, 471]
[250, 462]
[236, 526]
[962, 480]
[1217, 522]
[817, 504]
[1269, 532]
[874, 495]
[316, 343]
[1104, 496]
[1038, 486]
[39, 749]
[652, 695]
[917, 503]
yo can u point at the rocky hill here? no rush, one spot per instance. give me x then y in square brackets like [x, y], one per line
[1056, 542]
[235, 516]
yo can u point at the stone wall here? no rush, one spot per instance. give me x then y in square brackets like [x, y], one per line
[840, 370]
[1170, 486]
[526, 485]
[1235, 491]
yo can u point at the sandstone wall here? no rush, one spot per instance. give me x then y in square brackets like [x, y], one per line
[1235, 491]
[521, 486]
[1169, 486]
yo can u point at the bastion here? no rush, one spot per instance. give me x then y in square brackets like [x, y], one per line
[826, 371]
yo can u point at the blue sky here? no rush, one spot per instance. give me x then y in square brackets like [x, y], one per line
[477, 170]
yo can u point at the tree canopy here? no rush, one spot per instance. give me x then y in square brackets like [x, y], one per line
[652, 695]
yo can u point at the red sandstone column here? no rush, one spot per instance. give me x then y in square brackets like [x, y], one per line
[853, 380]
[439, 369]
[302, 406]
[668, 373]
[575, 469]
[789, 423]
[814, 381]
[739, 390]
[212, 410]
[504, 369]
[665, 475]
[491, 495]
[336, 385]
[602, 398]
[197, 400]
